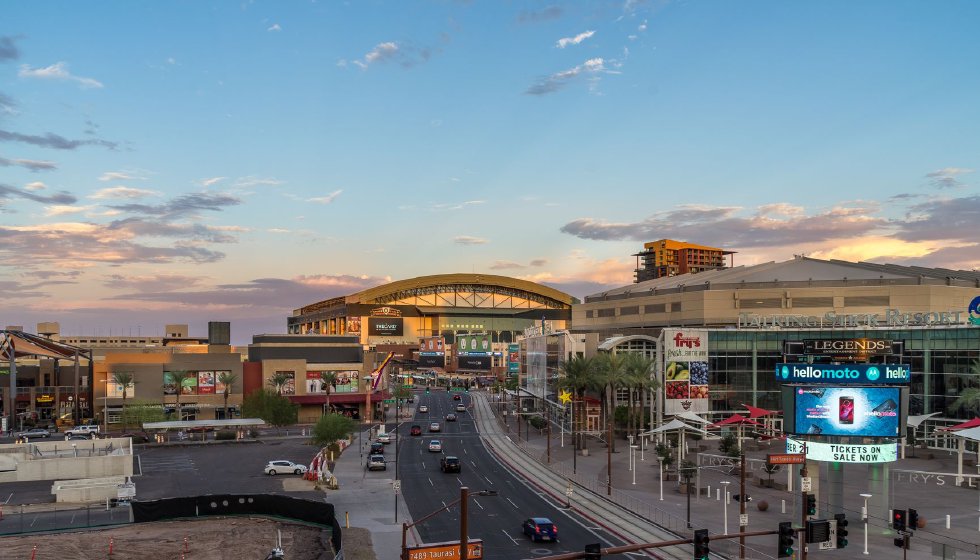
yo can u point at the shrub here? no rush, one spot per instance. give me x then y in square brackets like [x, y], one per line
[538, 423]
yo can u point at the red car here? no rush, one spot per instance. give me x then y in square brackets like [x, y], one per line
[457, 397]
[416, 430]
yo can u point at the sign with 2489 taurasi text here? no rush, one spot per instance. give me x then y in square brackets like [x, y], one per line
[446, 551]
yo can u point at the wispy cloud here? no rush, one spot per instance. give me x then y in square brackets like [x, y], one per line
[469, 240]
[117, 176]
[58, 71]
[565, 41]
[947, 177]
[35, 186]
[182, 205]
[253, 181]
[326, 199]
[506, 265]
[152, 283]
[210, 181]
[404, 55]
[8, 50]
[557, 81]
[64, 210]
[33, 165]
[8, 192]
[121, 192]
[54, 141]
[274, 27]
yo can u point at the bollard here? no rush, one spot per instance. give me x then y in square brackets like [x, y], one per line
[110, 546]
[347, 517]
[947, 521]
[717, 494]
[784, 506]
[709, 490]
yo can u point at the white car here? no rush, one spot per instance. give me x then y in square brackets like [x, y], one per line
[384, 437]
[281, 466]
[423, 408]
[435, 446]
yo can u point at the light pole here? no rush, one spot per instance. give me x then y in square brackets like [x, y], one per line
[633, 452]
[864, 517]
[726, 483]
[463, 498]
[630, 461]
[661, 479]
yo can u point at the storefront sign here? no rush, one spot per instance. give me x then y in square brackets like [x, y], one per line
[44, 399]
[685, 370]
[857, 374]
[831, 319]
[851, 349]
[844, 453]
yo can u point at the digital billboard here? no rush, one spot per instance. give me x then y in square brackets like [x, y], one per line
[846, 411]
[385, 326]
[844, 453]
[513, 358]
[841, 374]
[432, 360]
[481, 363]
[473, 344]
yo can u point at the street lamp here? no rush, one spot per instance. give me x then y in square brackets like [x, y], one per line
[864, 517]
[630, 461]
[464, 495]
[687, 473]
[633, 452]
[726, 483]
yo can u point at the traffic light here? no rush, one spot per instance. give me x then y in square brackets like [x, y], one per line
[811, 504]
[786, 534]
[898, 520]
[913, 519]
[467, 389]
[841, 530]
[427, 390]
[701, 548]
[593, 551]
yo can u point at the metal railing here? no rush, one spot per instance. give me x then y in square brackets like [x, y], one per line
[35, 518]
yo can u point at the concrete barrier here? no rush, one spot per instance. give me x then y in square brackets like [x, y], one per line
[87, 490]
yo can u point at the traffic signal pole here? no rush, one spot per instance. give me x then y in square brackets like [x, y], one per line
[803, 509]
[741, 509]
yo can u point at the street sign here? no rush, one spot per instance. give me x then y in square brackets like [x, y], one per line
[743, 520]
[397, 485]
[806, 484]
[568, 490]
[408, 386]
[904, 533]
[785, 458]
[389, 401]
[457, 389]
[446, 550]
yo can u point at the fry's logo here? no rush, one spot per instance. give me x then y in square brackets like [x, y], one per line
[689, 341]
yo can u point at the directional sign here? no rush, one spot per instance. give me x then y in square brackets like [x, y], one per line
[389, 401]
[446, 550]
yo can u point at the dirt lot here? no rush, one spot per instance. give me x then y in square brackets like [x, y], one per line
[235, 538]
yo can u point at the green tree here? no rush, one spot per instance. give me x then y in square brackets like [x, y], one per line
[178, 379]
[639, 373]
[227, 379]
[127, 380]
[331, 427]
[138, 413]
[328, 379]
[275, 409]
[612, 376]
[576, 375]
[279, 380]
[969, 399]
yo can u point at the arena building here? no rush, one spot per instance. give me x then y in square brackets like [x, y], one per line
[753, 314]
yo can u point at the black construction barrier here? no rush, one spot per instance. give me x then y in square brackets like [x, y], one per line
[273, 505]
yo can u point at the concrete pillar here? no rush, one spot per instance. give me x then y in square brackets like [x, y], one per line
[835, 489]
[878, 487]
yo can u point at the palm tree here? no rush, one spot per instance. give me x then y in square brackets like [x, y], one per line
[577, 374]
[227, 379]
[969, 399]
[612, 375]
[279, 380]
[328, 378]
[639, 370]
[126, 379]
[177, 379]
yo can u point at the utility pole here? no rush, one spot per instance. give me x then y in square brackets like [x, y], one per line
[741, 509]
[803, 509]
[548, 409]
[463, 514]
[609, 457]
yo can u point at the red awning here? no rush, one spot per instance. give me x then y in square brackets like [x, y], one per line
[734, 419]
[756, 412]
[968, 424]
[347, 398]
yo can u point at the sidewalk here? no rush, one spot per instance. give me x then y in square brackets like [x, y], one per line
[640, 491]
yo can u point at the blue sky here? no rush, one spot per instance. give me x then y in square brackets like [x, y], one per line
[179, 162]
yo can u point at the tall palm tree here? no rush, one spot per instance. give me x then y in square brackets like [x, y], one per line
[227, 379]
[279, 381]
[177, 379]
[328, 378]
[612, 375]
[576, 375]
[127, 380]
[639, 369]
[969, 399]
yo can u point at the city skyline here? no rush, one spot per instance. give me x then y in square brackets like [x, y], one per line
[189, 162]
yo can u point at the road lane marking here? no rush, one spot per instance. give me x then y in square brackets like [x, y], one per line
[7, 501]
[477, 502]
[509, 537]
[511, 503]
[488, 480]
[433, 485]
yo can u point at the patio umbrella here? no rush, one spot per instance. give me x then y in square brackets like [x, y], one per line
[972, 434]
[756, 412]
[914, 422]
[736, 420]
[964, 426]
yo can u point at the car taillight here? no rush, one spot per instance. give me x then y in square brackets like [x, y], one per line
[554, 529]
[537, 529]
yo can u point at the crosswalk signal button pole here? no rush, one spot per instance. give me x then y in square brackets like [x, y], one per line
[701, 544]
[786, 534]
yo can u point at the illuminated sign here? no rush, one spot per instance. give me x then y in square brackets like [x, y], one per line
[844, 453]
[855, 349]
[446, 551]
[860, 374]
[685, 371]
[974, 311]
[831, 319]
[385, 326]
[386, 312]
[846, 411]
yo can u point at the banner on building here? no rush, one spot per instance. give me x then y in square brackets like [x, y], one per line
[473, 344]
[344, 381]
[513, 358]
[685, 371]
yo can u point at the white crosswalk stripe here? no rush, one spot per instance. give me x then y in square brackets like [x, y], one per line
[181, 462]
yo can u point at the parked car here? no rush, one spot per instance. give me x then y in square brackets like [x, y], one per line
[540, 529]
[435, 427]
[435, 446]
[411, 399]
[377, 463]
[423, 408]
[460, 407]
[416, 430]
[87, 430]
[34, 433]
[384, 437]
[283, 466]
[450, 464]
[450, 417]
[377, 448]
[457, 397]
[138, 437]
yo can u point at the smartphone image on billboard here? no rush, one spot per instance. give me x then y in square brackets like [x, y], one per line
[846, 405]
[814, 429]
[886, 406]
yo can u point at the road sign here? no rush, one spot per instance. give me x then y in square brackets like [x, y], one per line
[785, 458]
[568, 490]
[743, 520]
[806, 484]
[904, 533]
[397, 485]
[458, 389]
[446, 550]
[389, 401]
[408, 386]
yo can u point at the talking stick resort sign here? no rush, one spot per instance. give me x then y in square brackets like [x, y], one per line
[890, 318]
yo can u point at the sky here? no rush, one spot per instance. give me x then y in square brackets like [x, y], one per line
[194, 161]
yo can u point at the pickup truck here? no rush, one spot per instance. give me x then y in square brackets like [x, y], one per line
[87, 430]
[450, 463]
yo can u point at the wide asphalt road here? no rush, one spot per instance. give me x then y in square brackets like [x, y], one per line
[495, 519]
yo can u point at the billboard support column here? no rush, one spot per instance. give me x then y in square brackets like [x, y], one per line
[878, 488]
[835, 488]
